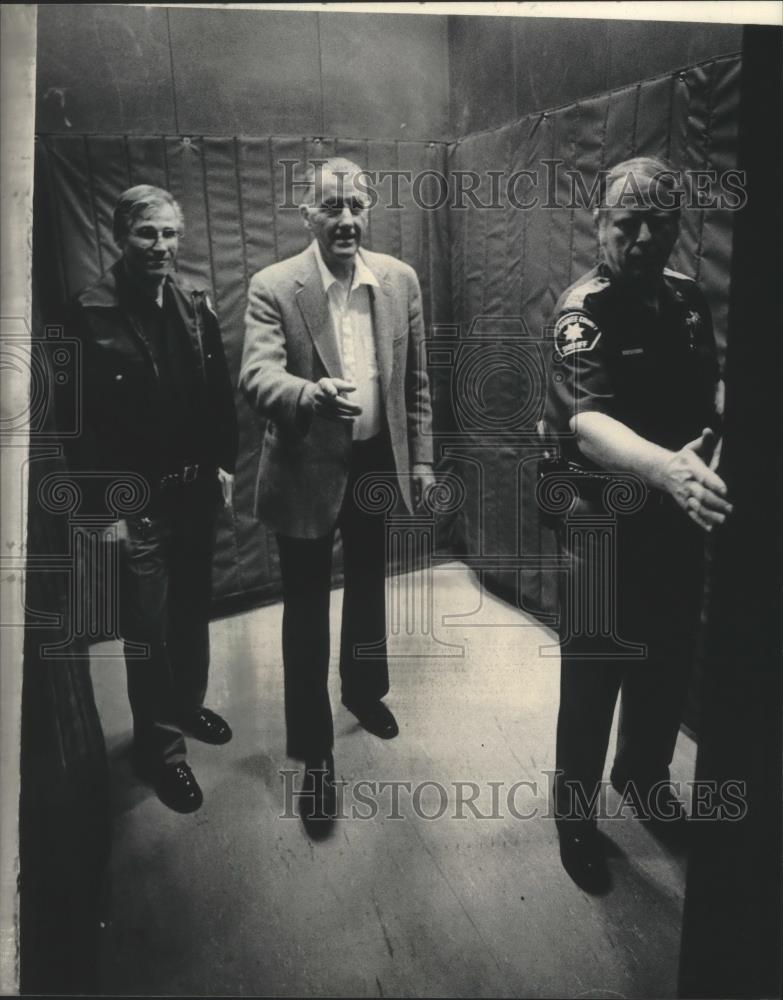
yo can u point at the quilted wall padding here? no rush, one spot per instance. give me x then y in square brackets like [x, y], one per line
[230, 190]
[513, 264]
[474, 264]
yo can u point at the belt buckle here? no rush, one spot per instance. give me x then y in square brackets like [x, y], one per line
[189, 473]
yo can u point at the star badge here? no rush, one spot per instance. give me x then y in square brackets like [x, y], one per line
[575, 331]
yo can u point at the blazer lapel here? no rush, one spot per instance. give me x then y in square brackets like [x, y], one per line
[314, 307]
[383, 328]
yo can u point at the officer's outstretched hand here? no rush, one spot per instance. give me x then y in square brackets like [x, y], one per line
[326, 399]
[697, 489]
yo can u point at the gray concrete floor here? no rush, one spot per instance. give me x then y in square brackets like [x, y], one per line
[236, 899]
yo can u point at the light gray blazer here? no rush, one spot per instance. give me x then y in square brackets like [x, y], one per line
[289, 341]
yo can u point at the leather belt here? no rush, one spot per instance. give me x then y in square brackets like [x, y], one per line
[182, 477]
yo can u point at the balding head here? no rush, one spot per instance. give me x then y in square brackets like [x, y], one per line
[336, 172]
[335, 211]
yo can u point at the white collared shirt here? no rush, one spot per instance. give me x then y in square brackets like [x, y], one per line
[351, 316]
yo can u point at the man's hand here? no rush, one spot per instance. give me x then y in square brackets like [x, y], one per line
[226, 481]
[423, 480]
[696, 488]
[326, 398]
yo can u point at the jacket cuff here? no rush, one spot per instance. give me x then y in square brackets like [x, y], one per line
[303, 415]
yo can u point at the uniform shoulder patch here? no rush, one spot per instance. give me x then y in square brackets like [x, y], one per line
[201, 297]
[575, 332]
[576, 296]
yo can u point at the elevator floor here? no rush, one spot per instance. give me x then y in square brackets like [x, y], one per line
[439, 883]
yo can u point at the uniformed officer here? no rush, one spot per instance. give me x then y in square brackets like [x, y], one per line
[634, 389]
[158, 405]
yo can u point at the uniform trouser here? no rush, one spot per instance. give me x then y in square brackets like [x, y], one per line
[658, 593]
[166, 588]
[306, 569]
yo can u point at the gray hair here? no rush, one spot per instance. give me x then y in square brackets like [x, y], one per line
[666, 179]
[339, 166]
[132, 203]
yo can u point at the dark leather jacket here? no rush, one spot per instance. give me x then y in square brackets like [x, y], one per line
[120, 389]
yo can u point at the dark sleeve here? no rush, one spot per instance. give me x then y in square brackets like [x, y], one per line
[578, 378]
[706, 336]
[221, 390]
[77, 413]
[708, 371]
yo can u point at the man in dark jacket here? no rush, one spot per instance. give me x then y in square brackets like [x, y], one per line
[158, 410]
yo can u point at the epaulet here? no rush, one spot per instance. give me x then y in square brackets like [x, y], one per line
[669, 273]
[193, 291]
[206, 298]
[187, 286]
[101, 294]
[575, 297]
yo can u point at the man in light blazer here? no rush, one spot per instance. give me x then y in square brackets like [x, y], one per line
[332, 361]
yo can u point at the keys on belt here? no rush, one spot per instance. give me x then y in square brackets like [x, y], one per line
[182, 477]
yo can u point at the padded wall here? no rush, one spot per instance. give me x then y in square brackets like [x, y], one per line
[513, 263]
[504, 67]
[230, 190]
[507, 266]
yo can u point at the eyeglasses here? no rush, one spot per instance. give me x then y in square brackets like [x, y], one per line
[335, 206]
[149, 234]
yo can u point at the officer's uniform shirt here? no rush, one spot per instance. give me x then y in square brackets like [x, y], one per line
[633, 560]
[654, 370]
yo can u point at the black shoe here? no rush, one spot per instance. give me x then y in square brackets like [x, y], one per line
[583, 857]
[207, 726]
[317, 802]
[375, 717]
[177, 788]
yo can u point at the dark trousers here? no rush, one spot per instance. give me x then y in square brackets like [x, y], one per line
[658, 579]
[306, 569]
[166, 589]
